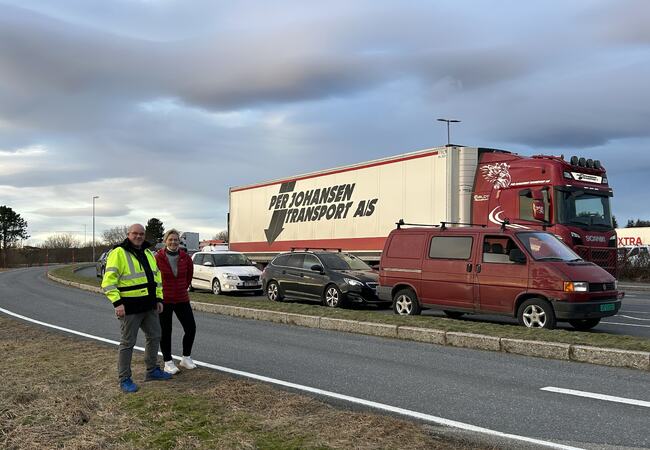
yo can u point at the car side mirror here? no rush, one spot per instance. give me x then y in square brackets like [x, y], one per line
[208, 263]
[317, 268]
[517, 256]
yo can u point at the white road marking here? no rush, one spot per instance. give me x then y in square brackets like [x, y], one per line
[347, 398]
[609, 398]
[633, 318]
[633, 312]
[625, 324]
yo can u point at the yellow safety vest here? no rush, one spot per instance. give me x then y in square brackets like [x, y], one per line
[125, 277]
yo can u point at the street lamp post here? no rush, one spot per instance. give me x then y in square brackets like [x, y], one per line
[448, 122]
[95, 197]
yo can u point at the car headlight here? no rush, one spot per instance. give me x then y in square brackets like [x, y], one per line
[230, 276]
[353, 282]
[576, 286]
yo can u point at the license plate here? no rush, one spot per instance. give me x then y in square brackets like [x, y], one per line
[607, 307]
[250, 283]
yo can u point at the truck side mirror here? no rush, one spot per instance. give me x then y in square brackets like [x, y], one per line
[517, 256]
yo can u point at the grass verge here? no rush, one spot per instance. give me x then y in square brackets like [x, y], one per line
[61, 392]
[369, 314]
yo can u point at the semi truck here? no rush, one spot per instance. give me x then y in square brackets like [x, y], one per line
[354, 208]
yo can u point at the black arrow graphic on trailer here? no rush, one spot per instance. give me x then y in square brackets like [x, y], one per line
[279, 216]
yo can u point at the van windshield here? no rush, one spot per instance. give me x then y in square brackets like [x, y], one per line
[546, 247]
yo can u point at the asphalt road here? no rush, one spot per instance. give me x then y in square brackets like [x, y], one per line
[493, 390]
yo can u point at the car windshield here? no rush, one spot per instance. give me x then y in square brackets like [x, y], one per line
[230, 259]
[342, 261]
[546, 247]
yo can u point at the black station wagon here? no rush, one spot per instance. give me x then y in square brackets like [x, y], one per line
[332, 278]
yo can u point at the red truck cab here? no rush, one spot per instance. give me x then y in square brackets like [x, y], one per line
[528, 274]
[569, 198]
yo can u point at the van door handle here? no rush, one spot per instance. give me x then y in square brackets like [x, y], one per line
[478, 268]
[469, 267]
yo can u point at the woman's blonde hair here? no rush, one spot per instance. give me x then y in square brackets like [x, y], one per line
[171, 231]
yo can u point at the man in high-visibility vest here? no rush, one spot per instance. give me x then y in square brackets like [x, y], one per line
[133, 284]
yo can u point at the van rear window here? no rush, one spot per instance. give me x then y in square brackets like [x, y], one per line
[407, 246]
[450, 247]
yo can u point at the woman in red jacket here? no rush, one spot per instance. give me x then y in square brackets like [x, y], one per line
[176, 268]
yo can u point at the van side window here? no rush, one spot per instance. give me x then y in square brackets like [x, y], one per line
[496, 249]
[451, 247]
[406, 246]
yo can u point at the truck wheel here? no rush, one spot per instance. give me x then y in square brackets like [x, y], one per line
[332, 296]
[584, 324]
[405, 303]
[273, 292]
[454, 314]
[216, 287]
[536, 313]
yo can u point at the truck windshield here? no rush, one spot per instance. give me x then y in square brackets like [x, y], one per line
[585, 210]
[546, 247]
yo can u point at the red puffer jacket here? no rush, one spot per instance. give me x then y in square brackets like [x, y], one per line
[175, 287]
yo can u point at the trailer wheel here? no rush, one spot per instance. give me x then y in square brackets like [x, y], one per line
[273, 292]
[405, 303]
[536, 313]
[584, 324]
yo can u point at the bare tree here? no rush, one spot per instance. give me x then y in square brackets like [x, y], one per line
[221, 235]
[63, 240]
[115, 235]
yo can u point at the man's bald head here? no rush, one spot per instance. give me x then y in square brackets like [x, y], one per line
[136, 235]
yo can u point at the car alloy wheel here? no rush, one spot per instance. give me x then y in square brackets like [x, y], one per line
[332, 296]
[216, 287]
[273, 292]
[536, 313]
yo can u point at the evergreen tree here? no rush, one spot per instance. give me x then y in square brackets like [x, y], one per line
[154, 231]
[12, 227]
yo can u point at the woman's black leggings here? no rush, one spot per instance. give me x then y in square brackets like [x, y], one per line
[186, 318]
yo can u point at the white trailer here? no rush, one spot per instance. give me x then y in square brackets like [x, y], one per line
[354, 207]
[190, 240]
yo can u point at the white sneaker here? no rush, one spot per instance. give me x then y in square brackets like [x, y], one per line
[187, 363]
[171, 368]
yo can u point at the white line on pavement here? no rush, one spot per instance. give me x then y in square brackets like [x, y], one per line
[347, 398]
[633, 318]
[625, 324]
[609, 398]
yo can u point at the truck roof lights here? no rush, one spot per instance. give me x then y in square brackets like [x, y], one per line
[585, 162]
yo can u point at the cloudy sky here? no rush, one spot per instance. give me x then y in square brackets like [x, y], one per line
[159, 106]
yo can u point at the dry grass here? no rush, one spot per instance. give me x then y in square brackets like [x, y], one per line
[62, 392]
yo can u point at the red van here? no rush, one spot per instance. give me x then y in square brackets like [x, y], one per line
[528, 274]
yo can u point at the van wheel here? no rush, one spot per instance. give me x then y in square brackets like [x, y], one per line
[405, 303]
[273, 292]
[332, 296]
[216, 287]
[536, 313]
[454, 314]
[584, 324]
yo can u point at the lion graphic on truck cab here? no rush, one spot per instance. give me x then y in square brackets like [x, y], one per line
[498, 174]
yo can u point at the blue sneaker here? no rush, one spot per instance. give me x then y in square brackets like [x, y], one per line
[157, 375]
[127, 385]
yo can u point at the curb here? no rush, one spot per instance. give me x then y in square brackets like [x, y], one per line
[550, 350]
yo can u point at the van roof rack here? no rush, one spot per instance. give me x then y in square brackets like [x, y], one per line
[507, 222]
[444, 224]
[401, 222]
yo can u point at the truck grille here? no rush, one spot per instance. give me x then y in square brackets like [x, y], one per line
[600, 287]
